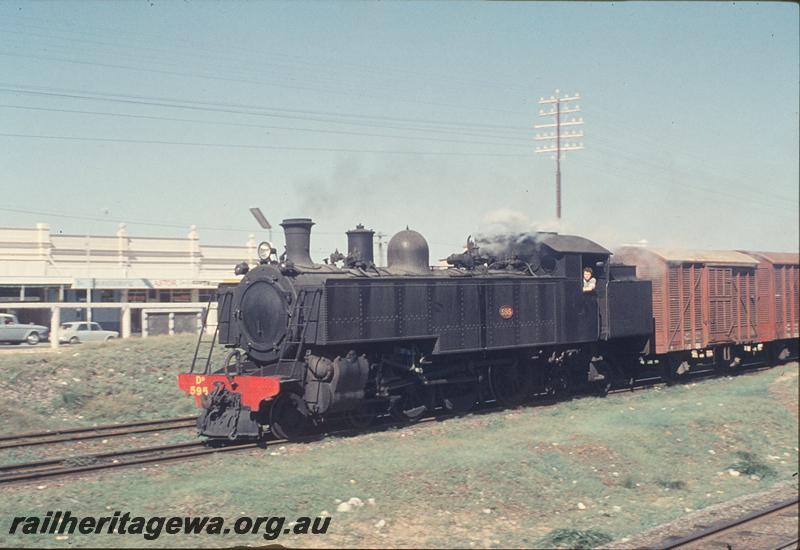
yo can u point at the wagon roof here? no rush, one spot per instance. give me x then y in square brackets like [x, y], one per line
[691, 256]
[776, 257]
[573, 244]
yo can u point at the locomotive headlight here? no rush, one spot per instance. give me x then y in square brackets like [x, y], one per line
[265, 250]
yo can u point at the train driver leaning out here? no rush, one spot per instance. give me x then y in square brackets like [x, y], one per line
[589, 282]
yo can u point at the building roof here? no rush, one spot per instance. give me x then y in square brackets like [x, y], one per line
[30, 256]
[690, 256]
[573, 244]
[776, 257]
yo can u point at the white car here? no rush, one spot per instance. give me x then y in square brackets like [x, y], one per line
[11, 330]
[81, 331]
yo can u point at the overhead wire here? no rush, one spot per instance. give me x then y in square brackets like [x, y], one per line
[691, 186]
[659, 180]
[260, 126]
[330, 116]
[194, 47]
[618, 153]
[319, 70]
[239, 80]
[127, 221]
[689, 154]
[259, 146]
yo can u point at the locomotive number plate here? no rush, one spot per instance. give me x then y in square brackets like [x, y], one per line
[199, 387]
[506, 312]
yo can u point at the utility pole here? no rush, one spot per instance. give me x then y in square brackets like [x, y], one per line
[559, 108]
[380, 235]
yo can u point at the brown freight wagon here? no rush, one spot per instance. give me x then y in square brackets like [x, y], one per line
[778, 296]
[701, 298]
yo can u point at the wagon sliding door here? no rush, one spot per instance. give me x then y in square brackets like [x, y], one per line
[732, 305]
[686, 326]
[787, 296]
[745, 328]
[720, 304]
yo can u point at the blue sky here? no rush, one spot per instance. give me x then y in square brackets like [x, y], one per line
[165, 114]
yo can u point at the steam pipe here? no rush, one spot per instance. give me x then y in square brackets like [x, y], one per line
[359, 245]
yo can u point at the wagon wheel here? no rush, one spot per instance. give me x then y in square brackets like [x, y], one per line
[286, 418]
[510, 383]
[459, 398]
[415, 400]
[361, 417]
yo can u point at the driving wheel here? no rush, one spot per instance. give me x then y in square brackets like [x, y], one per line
[459, 398]
[415, 400]
[511, 383]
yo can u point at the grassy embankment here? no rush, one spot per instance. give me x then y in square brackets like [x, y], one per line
[583, 471]
[90, 384]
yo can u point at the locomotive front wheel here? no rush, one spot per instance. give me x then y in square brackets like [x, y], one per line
[511, 384]
[361, 417]
[286, 419]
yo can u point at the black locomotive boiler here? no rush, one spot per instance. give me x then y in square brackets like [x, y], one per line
[503, 321]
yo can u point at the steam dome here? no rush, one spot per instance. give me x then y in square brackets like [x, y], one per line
[408, 253]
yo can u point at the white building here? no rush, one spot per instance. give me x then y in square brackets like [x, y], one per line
[145, 285]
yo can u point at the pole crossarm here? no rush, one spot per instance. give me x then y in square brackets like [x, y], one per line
[555, 149]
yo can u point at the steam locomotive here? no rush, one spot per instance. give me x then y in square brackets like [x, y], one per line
[506, 320]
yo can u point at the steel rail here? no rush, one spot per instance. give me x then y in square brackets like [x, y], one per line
[11, 473]
[51, 467]
[61, 466]
[78, 434]
[729, 525]
[101, 427]
[95, 456]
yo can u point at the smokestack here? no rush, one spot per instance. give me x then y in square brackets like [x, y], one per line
[359, 245]
[297, 232]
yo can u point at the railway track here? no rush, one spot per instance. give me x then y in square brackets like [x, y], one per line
[27, 471]
[181, 451]
[774, 527]
[74, 465]
[110, 430]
